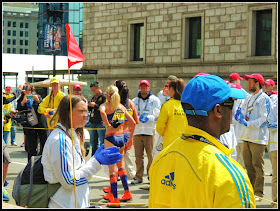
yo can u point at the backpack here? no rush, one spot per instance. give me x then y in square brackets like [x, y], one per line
[30, 189]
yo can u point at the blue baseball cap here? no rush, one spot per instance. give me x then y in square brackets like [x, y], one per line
[205, 91]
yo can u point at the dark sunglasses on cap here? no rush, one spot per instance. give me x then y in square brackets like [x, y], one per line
[228, 103]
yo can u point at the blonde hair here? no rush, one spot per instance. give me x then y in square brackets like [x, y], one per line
[113, 92]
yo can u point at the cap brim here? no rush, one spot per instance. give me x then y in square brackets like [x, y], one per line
[237, 93]
[241, 78]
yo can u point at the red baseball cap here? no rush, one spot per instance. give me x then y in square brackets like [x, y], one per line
[269, 82]
[77, 86]
[166, 85]
[144, 82]
[201, 74]
[274, 92]
[256, 76]
[8, 88]
[234, 76]
[235, 85]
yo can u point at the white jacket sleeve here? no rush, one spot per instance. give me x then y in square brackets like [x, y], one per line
[264, 108]
[62, 163]
[156, 104]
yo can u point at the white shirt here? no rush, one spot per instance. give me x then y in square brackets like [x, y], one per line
[229, 140]
[256, 130]
[57, 161]
[146, 106]
[236, 124]
[272, 119]
[162, 98]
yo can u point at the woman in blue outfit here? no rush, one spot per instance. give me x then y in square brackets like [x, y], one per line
[113, 114]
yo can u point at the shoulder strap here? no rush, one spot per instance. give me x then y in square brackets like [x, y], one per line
[198, 138]
[31, 181]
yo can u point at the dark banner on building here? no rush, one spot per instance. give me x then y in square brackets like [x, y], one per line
[52, 37]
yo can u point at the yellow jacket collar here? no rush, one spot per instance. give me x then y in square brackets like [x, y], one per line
[195, 131]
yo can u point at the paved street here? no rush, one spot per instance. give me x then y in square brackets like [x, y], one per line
[140, 196]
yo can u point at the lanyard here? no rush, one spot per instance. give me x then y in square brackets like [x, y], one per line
[251, 107]
[145, 109]
[198, 138]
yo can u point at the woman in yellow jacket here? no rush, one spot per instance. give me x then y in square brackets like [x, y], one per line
[50, 103]
[172, 114]
[7, 124]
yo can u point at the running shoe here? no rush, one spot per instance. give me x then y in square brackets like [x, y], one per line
[14, 144]
[108, 196]
[126, 196]
[107, 189]
[5, 195]
[22, 145]
[114, 203]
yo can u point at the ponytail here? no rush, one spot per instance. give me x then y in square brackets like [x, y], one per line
[113, 92]
[178, 87]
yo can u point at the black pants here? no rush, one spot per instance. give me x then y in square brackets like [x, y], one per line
[31, 144]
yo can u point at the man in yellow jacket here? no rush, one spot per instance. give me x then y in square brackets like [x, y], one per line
[50, 103]
[6, 108]
[195, 171]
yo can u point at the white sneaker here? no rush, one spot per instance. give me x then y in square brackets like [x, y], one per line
[257, 199]
[14, 144]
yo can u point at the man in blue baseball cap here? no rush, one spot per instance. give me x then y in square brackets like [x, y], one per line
[195, 171]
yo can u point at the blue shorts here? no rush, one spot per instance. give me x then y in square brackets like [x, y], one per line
[126, 136]
[116, 139]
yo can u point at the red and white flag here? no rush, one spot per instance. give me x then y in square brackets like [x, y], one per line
[74, 53]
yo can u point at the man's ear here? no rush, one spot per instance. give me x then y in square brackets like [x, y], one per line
[217, 111]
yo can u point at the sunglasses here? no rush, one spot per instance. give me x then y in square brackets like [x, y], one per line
[228, 103]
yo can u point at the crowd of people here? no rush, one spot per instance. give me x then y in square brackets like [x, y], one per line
[201, 139]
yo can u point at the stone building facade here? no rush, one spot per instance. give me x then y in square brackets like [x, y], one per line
[227, 41]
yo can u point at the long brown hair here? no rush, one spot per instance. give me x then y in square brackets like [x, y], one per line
[63, 112]
[178, 86]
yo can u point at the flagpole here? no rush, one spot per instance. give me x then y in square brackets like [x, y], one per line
[69, 88]
[75, 56]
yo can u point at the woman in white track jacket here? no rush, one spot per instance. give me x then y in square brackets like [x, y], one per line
[57, 157]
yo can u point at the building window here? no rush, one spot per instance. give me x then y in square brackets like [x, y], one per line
[14, 24]
[21, 51]
[8, 50]
[138, 42]
[26, 51]
[26, 42]
[9, 32]
[192, 38]
[9, 23]
[26, 34]
[26, 25]
[21, 42]
[14, 50]
[14, 42]
[263, 32]
[21, 25]
[9, 41]
[14, 33]
[21, 33]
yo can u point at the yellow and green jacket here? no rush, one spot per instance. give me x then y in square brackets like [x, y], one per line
[171, 122]
[190, 173]
[6, 108]
[50, 103]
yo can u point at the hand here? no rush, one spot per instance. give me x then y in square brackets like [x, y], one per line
[36, 98]
[238, 112]
[242, 120]
[91, 104]
[143, 118]
[107, 156]
[128, 144]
